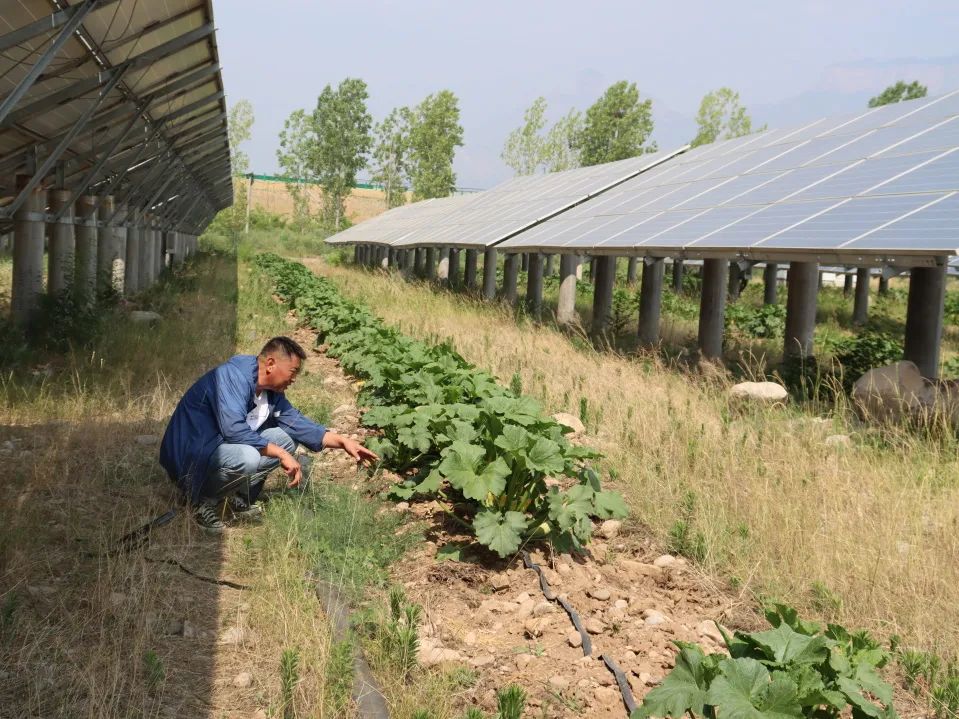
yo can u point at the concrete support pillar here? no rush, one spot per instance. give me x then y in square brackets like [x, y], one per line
[430, 268]
[534, 285]
[592, 270]
[510, 276]
[145, 271]
[927, 292]
[63, 244]
[28, 231]
[391, 258]
[803, 288]
[631, 271]
[883, 285]
[579, 266]
[356, 254]
[85, 269]
[157, 252]
[847, 284]
[472, 262]
[860, 308]
[455, 278]
[770, 283]
[525, 262]
[383, 257]
[651, 301]
[712, 308]
[549, 269]
[419, 254]
[131, 279]
[566, 307]
[443, 271]
[603, 293]
[110, 260]
[180, 255]
[678, 276]
[489, 273]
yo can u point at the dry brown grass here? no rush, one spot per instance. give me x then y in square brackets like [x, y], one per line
[80, 633]
[864, 535]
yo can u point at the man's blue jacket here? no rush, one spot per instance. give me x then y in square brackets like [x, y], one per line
[213, 412]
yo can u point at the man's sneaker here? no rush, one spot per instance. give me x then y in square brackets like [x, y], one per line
[208, 518]
[244, 510]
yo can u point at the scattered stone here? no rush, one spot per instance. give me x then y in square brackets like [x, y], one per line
[759, 392]
[543, 608]
[430, 656]
[563, 568]
[499, 582]
[243, 680]
[594, 626]
[838, 440]
[526, 609]
[640, 568]
[574, 639]
[470, 639]
[600, 593]
[117, 599]
[523, 660]
[535, 627]
[607, 696]
[175, 628]
[621, 604]
[610, 528]
[709, 629]
[402, 506]
[666, 560]
[189, 630]
[653, 617]
[482, 660]
[147, 439]
[343, 409]
[495, 605]
[647, 679]
[233, 635]
[260, 714]
[140, 316]
[599, 552]
[524, 597]
[892, 392]
[568, 420]
[606, 679]
[558, 683]
[245, 607]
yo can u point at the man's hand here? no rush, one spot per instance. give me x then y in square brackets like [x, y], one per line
[332, 440]
[292, 469]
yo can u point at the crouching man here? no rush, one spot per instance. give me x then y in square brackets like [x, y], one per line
[234, 426]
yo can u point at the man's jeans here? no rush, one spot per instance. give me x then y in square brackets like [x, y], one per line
[240, 468]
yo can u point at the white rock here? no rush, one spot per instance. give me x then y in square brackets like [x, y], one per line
[499, 582]
[189, 630]
[574, 639]
[709, 629]
[523, 660]
[482, 660]
[543, 608]
[621, 604]
[594, 626]
[342, 409]
[243, 680]
[430, 656]
[666, 560]
[600, 593]
[607, 696]
[525, 609]
[117, 599]
[653, 617]
[892, 392]
[558, 683]
[568, 420]
[610, 528]
[139, 316]
[470, 639]
[759, 392]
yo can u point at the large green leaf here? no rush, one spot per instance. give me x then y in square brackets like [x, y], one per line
[545, 456]
[784, 645]
[744, 691]
[500, 531]
[609, 505]
[514, 439]
[463, 467]
[683, 690]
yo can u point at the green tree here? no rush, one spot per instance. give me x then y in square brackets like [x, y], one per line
[525, 147]
[617, 126]
[296, 148]
[899, 92]
[721, 116]
[435, 133]
[239, 128]
[341, 124]
[561, 151]
[390, 154]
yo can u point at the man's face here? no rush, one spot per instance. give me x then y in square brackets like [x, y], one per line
[281, 372]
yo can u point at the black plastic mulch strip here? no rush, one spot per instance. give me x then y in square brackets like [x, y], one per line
[551, 596]
[623, 683]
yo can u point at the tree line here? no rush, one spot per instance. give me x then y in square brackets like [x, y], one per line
[619, 125]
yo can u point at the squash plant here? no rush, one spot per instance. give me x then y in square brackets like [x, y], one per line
[451, 429]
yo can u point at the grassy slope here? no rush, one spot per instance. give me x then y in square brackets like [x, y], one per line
[862, 535]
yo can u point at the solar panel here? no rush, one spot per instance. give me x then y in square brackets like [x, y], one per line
[389, 227]
[882, 180]
[520, 203]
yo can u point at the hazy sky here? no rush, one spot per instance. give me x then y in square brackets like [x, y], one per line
[790, 61]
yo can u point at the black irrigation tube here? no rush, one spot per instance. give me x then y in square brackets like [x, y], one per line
[370, 703]
[628, 700]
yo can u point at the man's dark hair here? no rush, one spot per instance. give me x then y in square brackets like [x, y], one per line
[283, 347]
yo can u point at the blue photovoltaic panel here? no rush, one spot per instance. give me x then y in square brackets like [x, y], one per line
[393, 225]
[835, 185]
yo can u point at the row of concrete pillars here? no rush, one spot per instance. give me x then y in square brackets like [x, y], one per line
[93, 246]
[720, 279]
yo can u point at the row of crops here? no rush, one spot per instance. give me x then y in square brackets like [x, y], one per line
[451, 431]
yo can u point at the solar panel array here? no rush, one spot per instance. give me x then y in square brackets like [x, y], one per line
[520, 203]
[394, 225]
[879, 185]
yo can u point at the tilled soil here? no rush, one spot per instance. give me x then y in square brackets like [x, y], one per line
[491, 615]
